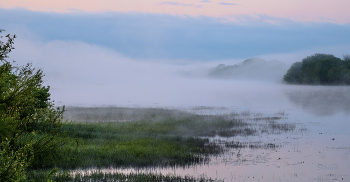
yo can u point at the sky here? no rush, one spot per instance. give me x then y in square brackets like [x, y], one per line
[128, 43]
[200, 30]
[301, 10]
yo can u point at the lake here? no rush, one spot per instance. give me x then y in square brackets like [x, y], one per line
[318, 149]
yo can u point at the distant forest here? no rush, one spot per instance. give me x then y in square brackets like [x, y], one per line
[324, 69]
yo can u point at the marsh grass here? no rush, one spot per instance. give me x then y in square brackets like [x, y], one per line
[112, 113]
[172, 140]
[105, 145]
[150, 137]
[273, 127]
[99, 176]
[251, 145]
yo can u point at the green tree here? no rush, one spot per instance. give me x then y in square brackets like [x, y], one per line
[319, 69]
[29, 122]
[293, 73]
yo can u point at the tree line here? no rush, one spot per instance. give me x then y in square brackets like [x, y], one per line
[323, 69]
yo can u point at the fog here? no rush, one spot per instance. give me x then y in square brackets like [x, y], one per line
[83, 74]
[251, 69]
[321, 100]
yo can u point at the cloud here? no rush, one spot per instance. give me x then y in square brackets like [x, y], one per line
[229, 4]
[205, 1]
[162, 36]
[180, 4]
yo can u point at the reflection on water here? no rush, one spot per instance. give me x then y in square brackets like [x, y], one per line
[321, 100]
[300, 159]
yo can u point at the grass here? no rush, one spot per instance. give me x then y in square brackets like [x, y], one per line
[141, 137]
[98, 176]
[111, 113]
[180, 140]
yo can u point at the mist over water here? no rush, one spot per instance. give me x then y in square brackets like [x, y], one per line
[252, 69]
[82, 74]
[321, 100]
[87, 75]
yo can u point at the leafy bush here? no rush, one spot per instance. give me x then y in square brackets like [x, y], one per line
[29, 122]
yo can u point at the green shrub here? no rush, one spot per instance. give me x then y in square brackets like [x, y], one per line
[30, 125]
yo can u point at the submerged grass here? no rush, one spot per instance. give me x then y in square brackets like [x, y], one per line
[98, 176]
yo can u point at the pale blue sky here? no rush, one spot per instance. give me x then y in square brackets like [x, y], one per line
[163, 36]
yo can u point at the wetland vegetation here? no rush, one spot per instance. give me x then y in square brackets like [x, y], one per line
[145, 142]
[167, 138]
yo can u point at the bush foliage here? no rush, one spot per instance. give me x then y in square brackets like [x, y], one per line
[29, 122]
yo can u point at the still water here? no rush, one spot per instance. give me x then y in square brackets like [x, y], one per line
[317, 150]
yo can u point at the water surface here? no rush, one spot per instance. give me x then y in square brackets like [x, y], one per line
[318, 149]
